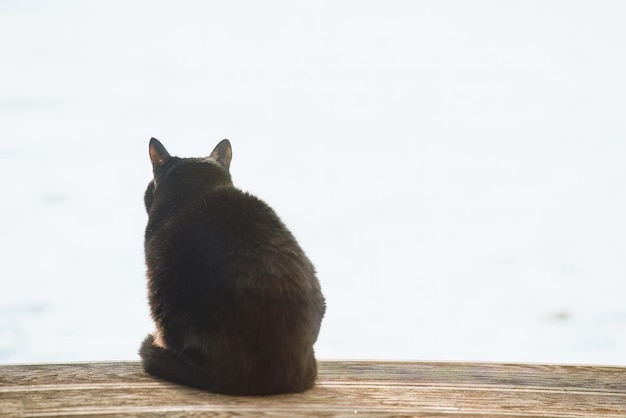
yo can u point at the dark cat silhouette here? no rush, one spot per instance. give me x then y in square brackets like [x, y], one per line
[235, 300]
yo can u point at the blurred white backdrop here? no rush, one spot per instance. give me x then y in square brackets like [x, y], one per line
[455, 170]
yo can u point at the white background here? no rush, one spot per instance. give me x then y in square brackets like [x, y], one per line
[455, 170]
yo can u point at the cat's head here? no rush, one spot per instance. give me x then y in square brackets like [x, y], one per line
[180, 178]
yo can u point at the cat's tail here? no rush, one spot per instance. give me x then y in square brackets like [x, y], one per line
[167, 365]
[192, 369]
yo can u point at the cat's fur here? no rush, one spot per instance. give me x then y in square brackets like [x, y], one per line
[235, 300]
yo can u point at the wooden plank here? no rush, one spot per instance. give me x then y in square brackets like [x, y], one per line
[345, 388]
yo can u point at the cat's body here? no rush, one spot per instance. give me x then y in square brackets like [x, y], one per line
[235, 300]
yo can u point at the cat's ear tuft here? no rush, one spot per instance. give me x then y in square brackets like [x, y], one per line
[222, 153]
[158, 153]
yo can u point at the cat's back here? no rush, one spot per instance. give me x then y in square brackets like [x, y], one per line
[236, 238]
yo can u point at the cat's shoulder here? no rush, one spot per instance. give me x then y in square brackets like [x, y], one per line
[240, 201]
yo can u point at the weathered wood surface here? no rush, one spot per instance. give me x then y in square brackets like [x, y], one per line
[344, 388]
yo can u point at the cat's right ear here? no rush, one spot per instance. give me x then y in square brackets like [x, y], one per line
[158, 154]
[222, 153]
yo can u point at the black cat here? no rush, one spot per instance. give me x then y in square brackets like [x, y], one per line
[235, 300]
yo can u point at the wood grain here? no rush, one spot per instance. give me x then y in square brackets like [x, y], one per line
[344, 388]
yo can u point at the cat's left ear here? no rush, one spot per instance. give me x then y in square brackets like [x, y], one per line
[222, 153]
[158, 154]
